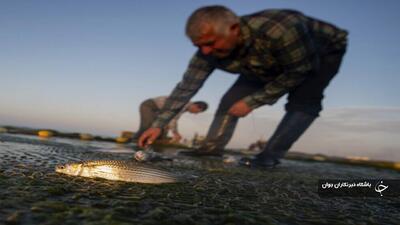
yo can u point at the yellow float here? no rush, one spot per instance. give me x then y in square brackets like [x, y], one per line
[45, 134]
[122, 140]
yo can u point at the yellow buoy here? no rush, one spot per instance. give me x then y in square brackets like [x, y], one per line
[396, 165]
[86, 137]
[122, 140]
[45, 133]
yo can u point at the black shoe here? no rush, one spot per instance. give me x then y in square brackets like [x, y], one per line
[259, 163]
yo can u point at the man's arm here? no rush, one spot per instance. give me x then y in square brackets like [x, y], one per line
[196, 74]
[295, 51]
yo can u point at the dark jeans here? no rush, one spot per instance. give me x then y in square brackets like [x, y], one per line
[307, 98]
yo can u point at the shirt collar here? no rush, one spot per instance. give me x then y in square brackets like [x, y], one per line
[246, 33]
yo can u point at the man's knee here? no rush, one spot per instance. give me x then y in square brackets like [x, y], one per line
[225, 104]
[311, 108]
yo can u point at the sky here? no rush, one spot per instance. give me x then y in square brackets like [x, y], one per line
[85, 66]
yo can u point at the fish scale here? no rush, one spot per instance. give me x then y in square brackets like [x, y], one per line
[128, 171]
[117, 164]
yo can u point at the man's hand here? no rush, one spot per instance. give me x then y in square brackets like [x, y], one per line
[240, 109]
[149, 136]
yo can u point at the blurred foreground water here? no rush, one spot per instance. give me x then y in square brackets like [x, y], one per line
[214, 192]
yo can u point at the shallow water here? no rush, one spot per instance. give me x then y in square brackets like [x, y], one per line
[214, 193]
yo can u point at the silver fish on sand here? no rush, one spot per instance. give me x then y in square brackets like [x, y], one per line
[121, 170]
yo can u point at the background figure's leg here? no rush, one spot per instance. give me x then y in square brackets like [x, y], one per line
[163, 135]
[148, 112]
[220, 132]
[223, 125]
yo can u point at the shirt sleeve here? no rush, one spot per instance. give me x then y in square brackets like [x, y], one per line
[295, 51]
[193, 79]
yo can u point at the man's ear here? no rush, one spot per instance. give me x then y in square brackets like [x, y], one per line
[235, 29]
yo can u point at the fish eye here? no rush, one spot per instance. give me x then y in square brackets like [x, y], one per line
[61, 167]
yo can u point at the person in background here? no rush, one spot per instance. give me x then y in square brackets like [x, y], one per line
[150, 108]
[275, 52]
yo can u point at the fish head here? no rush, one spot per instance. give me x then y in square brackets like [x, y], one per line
[141, 156]
[70, 168]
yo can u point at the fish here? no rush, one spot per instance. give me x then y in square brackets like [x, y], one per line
[150, 156]
[142, 156]
[120, 170]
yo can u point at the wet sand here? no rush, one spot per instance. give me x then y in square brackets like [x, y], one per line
[214, 193]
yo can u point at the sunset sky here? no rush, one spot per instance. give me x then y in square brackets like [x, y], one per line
[86, 66]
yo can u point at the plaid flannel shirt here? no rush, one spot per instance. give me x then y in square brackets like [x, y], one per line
[280, 48]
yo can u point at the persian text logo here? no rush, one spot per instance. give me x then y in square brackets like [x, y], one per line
[380, 187]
